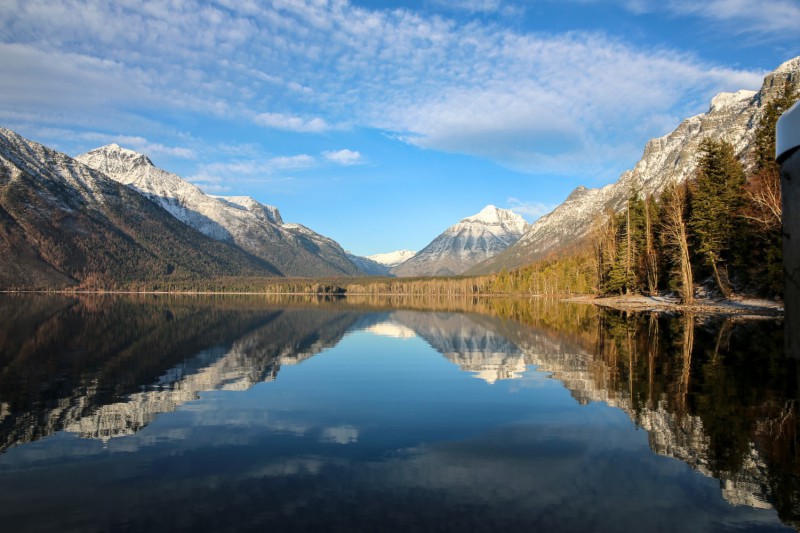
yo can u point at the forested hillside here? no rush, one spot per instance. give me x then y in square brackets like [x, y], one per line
[722, 227]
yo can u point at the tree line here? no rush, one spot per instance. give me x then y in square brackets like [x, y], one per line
[722, 226]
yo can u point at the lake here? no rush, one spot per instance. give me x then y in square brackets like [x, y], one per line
[237, 413]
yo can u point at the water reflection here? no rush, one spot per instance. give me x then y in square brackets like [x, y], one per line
[105, 367]
[718, 394]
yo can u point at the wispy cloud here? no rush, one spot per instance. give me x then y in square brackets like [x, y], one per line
[765, 16]
[480, 6]
[133, 142]
[291, 123]
[264, 170]
[530, 210]
[142, 145]
[212, 188]
[343, 157]
[533, 102]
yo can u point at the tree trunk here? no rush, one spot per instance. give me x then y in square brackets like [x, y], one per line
[722, 287]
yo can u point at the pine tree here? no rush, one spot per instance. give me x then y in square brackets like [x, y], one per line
[717, 198]
[762, 209]
[764, 156]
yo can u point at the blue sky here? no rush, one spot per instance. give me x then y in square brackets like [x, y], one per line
[380, 123]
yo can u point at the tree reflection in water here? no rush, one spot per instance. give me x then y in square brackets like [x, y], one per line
[715, 392]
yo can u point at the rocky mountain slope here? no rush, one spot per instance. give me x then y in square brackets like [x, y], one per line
[62, 222]
[293, 249]
[459, 247]
[672, 158]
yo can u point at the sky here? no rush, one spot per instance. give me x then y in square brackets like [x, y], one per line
[381, 123]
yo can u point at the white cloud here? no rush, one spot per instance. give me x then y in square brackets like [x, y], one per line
[262, 166]
[530, 210]
[211, 188]
[142, 145]
[291, 162]
[766, 16]
[133, 142]
[291, 123]
[343, 157]
[204, 178]
[534, 102]
[479, 6]
[264, 170]
[771, 18]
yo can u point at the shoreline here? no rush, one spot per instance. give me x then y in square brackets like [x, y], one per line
[736, 306]
[663, 304]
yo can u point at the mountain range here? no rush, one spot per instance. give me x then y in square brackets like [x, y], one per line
[258, 229]
[668, 159]
[110, 216]
[63, 223]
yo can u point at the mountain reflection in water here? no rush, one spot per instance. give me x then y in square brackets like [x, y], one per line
[716, 393]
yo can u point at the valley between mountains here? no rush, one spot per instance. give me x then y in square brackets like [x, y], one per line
[110, 218]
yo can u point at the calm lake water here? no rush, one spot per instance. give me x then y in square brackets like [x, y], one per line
[165, 413]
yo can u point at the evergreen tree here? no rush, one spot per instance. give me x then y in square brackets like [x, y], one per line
[717, 198]
[762, 210]
[764, 156]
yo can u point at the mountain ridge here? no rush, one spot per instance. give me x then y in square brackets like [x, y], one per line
[665, 160]
[472, 240]
[257, 228]
[63, 223]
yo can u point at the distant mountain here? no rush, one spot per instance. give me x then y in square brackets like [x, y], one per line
[62, 222]
[380, 264]
[392, 259]
[672, 158]
[368, 266]
[293, 249]
[466, 244]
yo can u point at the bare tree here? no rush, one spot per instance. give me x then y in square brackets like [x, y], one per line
[677, 238]
[763, 192]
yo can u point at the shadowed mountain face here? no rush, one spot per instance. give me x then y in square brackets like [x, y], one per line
[62, 223]
[256, 228]
[716, 394]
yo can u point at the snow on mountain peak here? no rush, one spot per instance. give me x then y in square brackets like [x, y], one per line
[116, 151]
[392, 259]
[256, 228]
[726, 100]
[472, 240]
[113, 160]
[492, 215]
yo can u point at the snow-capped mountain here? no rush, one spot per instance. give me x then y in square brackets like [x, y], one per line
[62, 222]
[293, 249]
[671, 158]
[392, 259]
[368, 266]
[474, 239]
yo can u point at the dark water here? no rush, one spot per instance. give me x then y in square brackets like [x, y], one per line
[240, 413]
